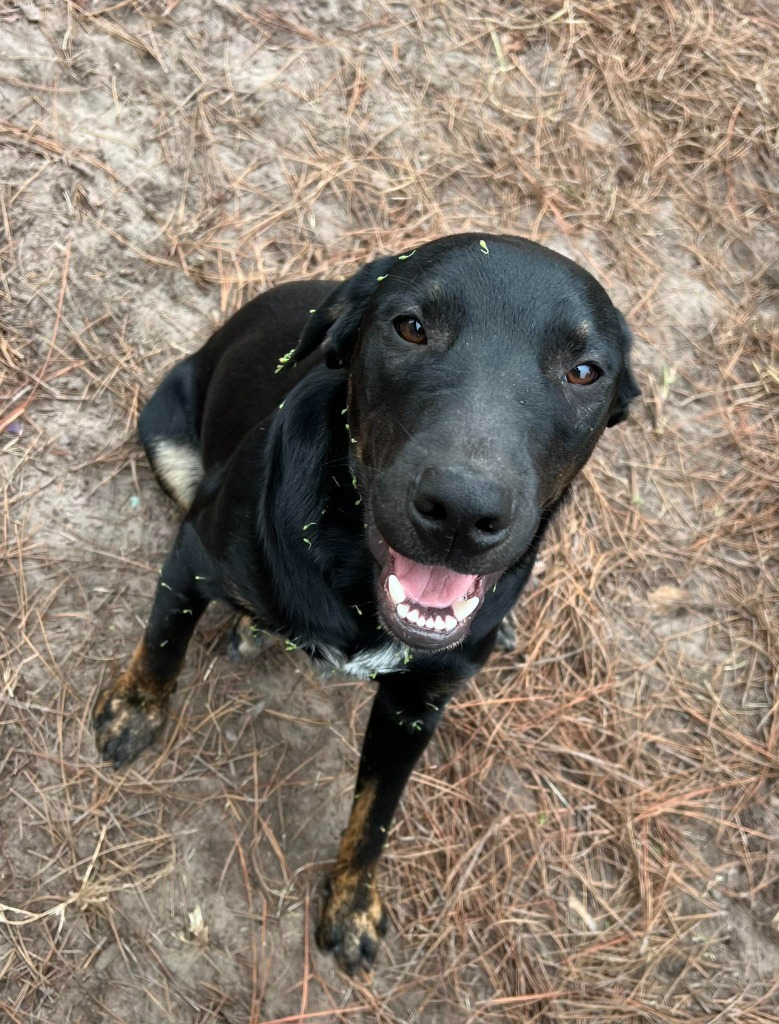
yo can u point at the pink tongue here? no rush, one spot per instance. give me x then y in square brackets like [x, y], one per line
[431, 585]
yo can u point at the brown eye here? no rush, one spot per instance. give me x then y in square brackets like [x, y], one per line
[410, 329]
[584, 373]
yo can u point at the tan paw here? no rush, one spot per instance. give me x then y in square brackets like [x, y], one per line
[246, 640]
[353, 921]
[126, 723]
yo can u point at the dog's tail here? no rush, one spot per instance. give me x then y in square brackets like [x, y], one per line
[169, 428]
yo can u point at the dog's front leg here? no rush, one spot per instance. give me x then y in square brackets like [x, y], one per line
[130, 713]
[402, 720]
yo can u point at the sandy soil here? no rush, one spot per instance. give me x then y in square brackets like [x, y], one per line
[594, 836]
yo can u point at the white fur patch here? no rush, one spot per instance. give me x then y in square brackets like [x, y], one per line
[179, 466]
[392, 656]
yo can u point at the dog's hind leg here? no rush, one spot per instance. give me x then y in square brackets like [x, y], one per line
[130, 713]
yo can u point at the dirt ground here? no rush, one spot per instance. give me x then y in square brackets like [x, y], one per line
[594, 835]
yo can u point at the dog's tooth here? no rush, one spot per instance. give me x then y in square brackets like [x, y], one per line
[413, 615]
[395, 587]
[451, 622]
[439, 623]
[430, 623]
[403, 610]
[462, 609]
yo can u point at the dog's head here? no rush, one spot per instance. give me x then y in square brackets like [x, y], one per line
[482, 372]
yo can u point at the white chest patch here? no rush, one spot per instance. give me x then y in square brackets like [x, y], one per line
[391, 656]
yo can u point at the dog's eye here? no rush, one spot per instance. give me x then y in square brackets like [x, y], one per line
[584, 373]
[410, 329]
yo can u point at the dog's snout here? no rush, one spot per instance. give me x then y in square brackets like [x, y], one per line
[460, 510]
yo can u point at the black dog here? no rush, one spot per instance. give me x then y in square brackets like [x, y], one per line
[382, 511]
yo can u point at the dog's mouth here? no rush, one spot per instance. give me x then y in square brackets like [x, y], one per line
[428, 607]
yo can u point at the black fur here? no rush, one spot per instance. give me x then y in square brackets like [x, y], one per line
[313, 422]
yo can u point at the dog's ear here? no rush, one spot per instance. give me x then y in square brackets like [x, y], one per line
[336, 321]
[627, 386]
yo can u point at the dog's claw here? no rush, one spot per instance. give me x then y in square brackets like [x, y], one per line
[353, 921]
[125, 726]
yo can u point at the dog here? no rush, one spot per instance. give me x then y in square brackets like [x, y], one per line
[367, 469]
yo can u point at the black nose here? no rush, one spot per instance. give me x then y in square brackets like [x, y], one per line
[460, 509]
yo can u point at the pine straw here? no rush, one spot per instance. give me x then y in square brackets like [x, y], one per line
[594, 835]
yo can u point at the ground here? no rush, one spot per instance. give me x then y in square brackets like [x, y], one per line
[594, 836]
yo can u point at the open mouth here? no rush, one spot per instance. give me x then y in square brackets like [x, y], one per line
[427, 606]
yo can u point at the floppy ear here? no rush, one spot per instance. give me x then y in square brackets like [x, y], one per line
[336, 321]
[627, 386]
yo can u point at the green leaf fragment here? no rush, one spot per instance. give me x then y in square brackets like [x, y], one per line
[284, 360]
[669, 376]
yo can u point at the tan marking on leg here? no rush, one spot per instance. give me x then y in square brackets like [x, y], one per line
[353, 917]
[138, 679]
[358, 822]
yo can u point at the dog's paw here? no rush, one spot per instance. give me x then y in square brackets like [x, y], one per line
[125, 723]
[245, 640]
[353, 921]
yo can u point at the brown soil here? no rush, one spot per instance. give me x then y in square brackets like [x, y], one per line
[594, 836]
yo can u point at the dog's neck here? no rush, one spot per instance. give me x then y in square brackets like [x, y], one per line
[324, 592]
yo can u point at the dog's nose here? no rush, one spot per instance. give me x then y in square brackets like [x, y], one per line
[460, 509]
